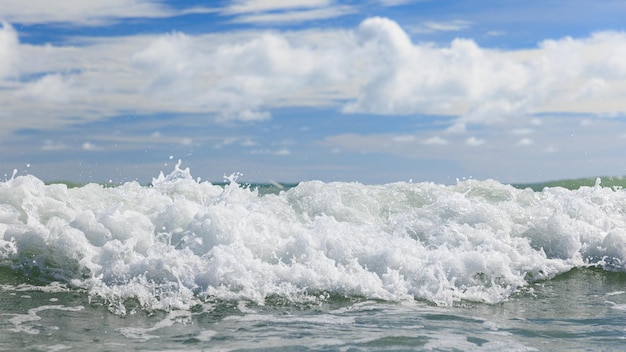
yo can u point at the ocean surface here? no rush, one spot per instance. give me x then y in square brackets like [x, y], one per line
[187, 265]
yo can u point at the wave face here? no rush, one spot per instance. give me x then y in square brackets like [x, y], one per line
[179, 242]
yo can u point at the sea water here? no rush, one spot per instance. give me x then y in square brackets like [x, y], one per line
[188, 265]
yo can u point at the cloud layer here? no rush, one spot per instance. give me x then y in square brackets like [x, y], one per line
[88, 13]
[375, 68]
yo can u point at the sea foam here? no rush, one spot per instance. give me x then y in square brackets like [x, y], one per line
[179, 241]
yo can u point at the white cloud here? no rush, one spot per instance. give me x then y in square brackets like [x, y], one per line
[436, 140]
[525, 142]
[486, 86]
[445, 26]
[277, 152]
[186, 141]
[592, 88]
[248, 143]
[90, 147]
[457, 127]
[395, 2]
[90, 13]
[284, 11]
[459, 79]
[374, 69]
[495, 33]
[549, 155]
[404, 138]
[551, 149]
[237, 78]
[9, 54]
[245, 115]
[282, 152]
[169, 63]
[246, 6]
[296, 16]
[522, 131]
[49, 145]
[50, 88]
[473, 141]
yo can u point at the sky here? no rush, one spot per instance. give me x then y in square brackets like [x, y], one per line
[372, 91]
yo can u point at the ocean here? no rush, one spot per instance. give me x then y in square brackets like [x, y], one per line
[321, 266]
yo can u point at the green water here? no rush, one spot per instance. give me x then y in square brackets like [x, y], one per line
[613, 182]
[583, 310]
[276, 187]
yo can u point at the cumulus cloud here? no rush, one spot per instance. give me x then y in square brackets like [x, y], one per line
[50, 88]
[9, 45]
[460, 79]
[375, 68]
[237, 79]
[169, 60]
[486, 85]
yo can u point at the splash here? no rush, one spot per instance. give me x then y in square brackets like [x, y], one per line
[180, 241]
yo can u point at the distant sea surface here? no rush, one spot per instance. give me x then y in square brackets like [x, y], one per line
[187, 265]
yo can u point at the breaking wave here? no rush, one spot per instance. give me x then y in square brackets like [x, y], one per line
[179, 241]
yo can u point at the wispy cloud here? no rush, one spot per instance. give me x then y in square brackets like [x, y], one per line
[396, 2]
[493, 154]
[283, 12]
[525, 142]
[252, 6]
[436, 140]
[49, 145]
[447, 26]
[295, 16]
[88, 13]
[277, 152]
[495, 33]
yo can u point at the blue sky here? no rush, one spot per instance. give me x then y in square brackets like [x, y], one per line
[371, 91]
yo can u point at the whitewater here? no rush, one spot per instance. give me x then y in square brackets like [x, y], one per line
[179, 242]
[325, 266]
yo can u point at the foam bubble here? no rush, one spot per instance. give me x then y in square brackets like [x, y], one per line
[180, 241]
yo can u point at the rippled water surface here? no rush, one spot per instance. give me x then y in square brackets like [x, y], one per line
[581, 310]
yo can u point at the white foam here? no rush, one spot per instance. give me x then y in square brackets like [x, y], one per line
[24, 322]
[180, 241]
[144, 334]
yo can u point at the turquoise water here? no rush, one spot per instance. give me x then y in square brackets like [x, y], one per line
[183, 265]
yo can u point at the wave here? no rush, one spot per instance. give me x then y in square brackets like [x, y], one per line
[179, 241]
